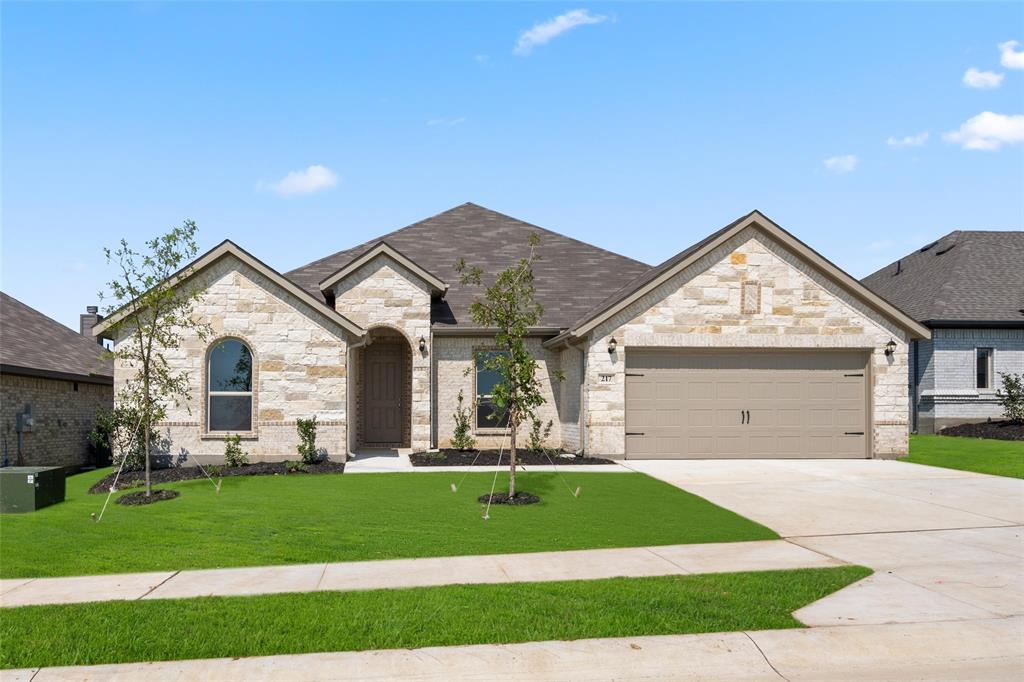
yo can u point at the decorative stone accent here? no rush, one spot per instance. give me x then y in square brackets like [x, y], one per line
[701, 308]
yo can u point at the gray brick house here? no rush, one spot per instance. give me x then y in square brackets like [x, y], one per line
[968, 288]
[53, 382]
[747, 344]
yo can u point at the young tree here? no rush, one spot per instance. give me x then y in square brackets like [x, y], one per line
[152, 314]
[509, 307]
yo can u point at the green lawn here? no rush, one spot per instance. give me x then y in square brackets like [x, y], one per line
[998, 457]
[112, 632]
[263, 520]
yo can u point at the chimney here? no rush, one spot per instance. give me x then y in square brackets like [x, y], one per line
[89, 320]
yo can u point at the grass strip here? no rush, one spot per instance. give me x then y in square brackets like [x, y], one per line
[983, 456]
[273, 520]
[213, 627]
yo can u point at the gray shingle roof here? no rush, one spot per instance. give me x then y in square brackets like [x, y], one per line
[571, 278]
[966, 276]
[32, 341]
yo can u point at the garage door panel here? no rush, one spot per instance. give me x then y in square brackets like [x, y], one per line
[693, 404]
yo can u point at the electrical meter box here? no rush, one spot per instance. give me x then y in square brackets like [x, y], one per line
[25, 489]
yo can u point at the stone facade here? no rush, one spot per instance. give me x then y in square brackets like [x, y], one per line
[383, 293]
[299, 361]
[453, 356]
[947, 382]
[64, 413]
[700, 307]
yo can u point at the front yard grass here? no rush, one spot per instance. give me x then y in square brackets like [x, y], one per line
[265, 520]
[997, 457]
[213, 627]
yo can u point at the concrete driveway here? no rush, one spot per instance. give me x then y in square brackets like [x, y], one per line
[946, 545]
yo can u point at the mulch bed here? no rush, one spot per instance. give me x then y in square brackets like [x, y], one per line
[1002, 430]
[447, 458]
[503, 498]
[133, 479]
[135, 499]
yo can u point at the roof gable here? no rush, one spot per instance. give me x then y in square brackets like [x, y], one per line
[974, 277]
[379, 250]
[29, 340]
[656, 276]
[228, 248]
[570, 278]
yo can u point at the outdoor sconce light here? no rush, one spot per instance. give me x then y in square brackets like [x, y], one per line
[890, 347]
[611, 345]
[423, 345]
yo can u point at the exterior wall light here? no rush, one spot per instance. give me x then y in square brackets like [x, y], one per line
[423, 345]
[612, 344]
[890, 347]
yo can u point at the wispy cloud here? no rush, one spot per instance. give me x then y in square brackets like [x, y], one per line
[982, 80]
[313, 179]
[482, 58]
[908, 141]
[988, 131]
[841, 164]
[547, 31]
[1010, 56]
[446, 121]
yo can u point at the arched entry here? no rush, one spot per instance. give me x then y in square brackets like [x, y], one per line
[385, 390]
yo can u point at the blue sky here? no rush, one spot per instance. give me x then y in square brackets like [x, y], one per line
[637, 127]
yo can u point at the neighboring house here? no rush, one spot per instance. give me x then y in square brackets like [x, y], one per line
[53, 382]
[968, 288]
[747, 344]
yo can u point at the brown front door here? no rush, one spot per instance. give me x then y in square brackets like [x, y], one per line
[383, 389]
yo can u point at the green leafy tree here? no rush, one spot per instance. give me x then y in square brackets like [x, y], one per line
[509, 306]
[152, 311]
[306, 429]
[1011, 397]
[462, 439]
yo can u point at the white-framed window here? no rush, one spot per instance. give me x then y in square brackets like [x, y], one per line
[229, 387]
[486, 379]
[983, 367]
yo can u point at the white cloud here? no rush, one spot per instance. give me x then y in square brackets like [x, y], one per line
[988, 131]
[982, 80]
[314, 179]
[841, 164]
[1010, 56]
[446, 121]
[908, 141]
[482, 58]
[547, 31]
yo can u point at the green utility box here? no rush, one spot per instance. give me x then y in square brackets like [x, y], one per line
[25, 489]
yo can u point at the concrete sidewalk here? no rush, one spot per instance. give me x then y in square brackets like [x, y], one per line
[977, 650]
[590, 564]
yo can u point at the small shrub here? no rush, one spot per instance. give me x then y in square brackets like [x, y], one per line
[295, 467]
[1011, 397]
[234, 456]
[539, 434]
[436, 456]
[214, 470]
[461, 438]
[118, 432]
[307, 440]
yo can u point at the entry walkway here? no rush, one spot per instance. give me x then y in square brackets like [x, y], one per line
[589, 564]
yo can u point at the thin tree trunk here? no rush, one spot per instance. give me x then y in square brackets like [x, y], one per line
[512, 456]
[146, 418]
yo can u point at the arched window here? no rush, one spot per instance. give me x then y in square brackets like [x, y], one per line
[229, 387]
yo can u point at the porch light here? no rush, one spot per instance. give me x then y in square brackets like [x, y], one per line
[423, 345]
[612, 345]
[890, 347]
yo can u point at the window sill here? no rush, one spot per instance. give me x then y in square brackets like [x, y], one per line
[221, 435]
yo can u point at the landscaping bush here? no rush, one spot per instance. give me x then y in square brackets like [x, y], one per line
[295, 467]
[1011, 397]
[234, 456]
[118, 432]
[461, 438]
[307, 440]
[539, 434]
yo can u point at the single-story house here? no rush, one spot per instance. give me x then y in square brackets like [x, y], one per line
[53, 383]
[746, 344]
[968, 288]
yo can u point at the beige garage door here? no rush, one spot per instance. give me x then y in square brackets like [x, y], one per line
[755, 404]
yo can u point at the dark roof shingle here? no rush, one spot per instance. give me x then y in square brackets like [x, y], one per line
[32, 341]
[571, 277]
[966, 276]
